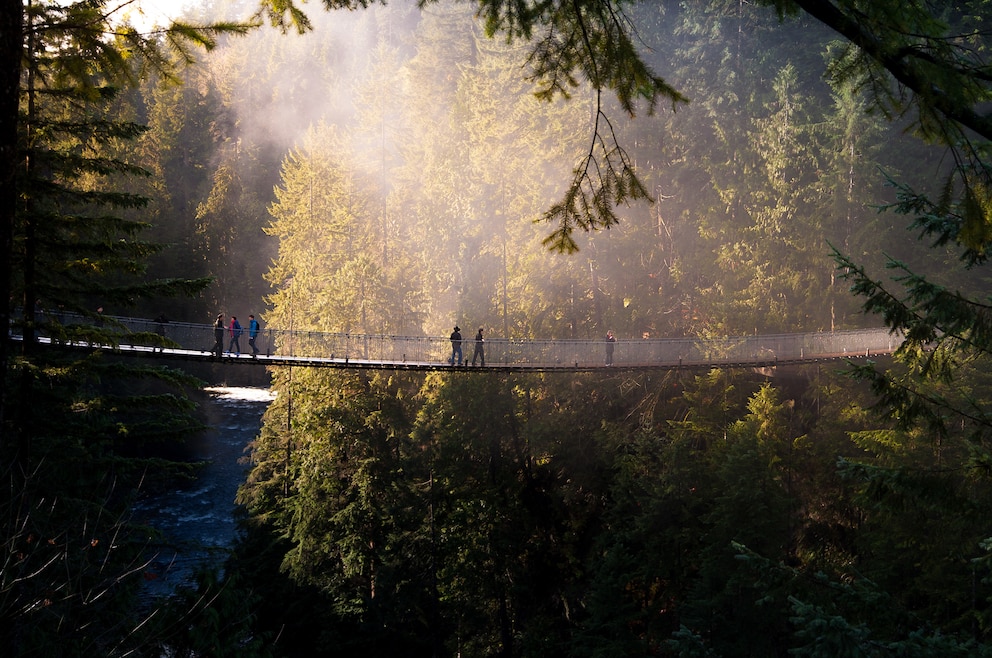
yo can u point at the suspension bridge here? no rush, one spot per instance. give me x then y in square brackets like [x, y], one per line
[283, 347]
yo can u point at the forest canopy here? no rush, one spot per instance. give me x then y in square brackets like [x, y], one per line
[405, 168]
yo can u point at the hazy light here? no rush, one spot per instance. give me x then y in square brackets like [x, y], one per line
[148, 14]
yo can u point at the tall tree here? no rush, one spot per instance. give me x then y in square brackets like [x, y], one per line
[783, 246]
[230, 226]
[86, 37]
[75, 243]
[321, 219]
[852, 150]
[11, 45]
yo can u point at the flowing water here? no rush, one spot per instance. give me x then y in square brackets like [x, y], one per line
[197, 518]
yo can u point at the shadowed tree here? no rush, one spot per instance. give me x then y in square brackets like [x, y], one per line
[87, 432]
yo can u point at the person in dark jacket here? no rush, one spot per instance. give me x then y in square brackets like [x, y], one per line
[456, 347]
[219, 335]
[235, 345]
[160, 323]
[479, 352]
[611, 341]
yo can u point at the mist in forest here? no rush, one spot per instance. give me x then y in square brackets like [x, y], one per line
[388, 172]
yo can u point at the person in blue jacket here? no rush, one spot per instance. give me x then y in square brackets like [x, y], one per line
[253, 329]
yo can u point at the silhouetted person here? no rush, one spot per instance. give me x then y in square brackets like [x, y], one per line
[479, 352]
[219, 335]
[253, 329]
[235, 345]
[160, 323]
[58, 332]
[456, 347]
[610, 343]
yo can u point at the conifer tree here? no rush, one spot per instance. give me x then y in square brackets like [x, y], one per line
[87, 431]
[85, 38]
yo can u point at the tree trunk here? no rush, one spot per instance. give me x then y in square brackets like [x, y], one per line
[11, 31]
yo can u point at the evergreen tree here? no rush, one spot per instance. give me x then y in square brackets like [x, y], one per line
[87, 431]
[83, 42]
[230, 229]
[783, 245]
[325, 230]
[185, 122]
[747, 457]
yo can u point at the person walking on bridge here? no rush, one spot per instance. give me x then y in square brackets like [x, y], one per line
[235, 345]
[219, 335]
[611, 341]
[253, 329]
[456, 347]
[160, 323]
[479, 351]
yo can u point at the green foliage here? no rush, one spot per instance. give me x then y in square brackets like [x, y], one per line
[567, 516]
[647, 530]
[640, 558]
[450, 167]
[603, 179]
[587, 43]
[84, 435]
[529, 516]
[838, 626]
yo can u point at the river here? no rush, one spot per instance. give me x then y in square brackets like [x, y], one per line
[197, 518]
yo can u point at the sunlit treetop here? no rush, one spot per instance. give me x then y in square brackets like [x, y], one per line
[914, 59]
[89, 36]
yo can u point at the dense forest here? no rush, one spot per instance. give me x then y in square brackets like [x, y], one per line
[397, 181]
[406, 168]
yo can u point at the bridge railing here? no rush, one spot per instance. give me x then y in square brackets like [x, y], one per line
[551, 353]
